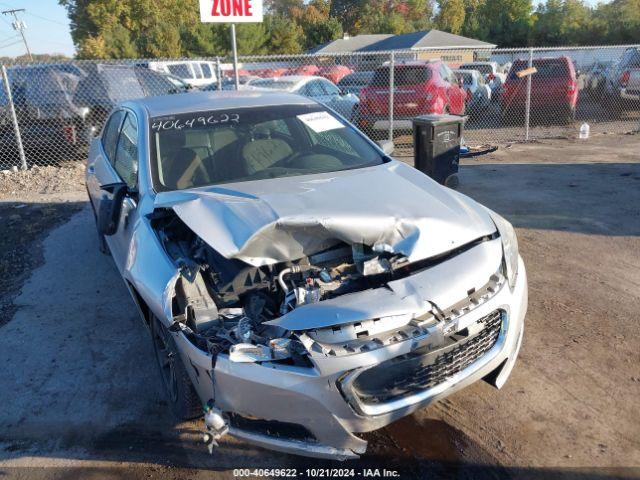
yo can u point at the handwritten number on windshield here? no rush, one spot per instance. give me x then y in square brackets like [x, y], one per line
[179, 124]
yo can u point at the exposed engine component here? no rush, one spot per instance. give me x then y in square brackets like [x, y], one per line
[223, 304]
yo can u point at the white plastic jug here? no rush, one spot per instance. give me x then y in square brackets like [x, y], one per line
[584, 131]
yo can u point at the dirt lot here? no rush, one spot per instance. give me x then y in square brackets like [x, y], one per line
[81, 396]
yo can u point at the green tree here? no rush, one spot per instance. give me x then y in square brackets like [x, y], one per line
[472, 27]
[285, 35]
[252, 39]
[506, 23]
[318, 26]
[451, 15]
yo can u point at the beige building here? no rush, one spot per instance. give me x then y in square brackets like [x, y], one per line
[422, 45]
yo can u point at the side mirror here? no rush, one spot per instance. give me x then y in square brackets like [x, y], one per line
[110, 208]
[387, 146]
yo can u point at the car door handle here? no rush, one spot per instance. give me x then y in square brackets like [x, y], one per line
[91, 169]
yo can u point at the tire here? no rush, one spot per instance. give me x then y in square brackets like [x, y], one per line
[570, 116]
[181, 396]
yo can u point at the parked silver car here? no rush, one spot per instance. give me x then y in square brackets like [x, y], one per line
[317, 88]
[478, 92]
[299, 283]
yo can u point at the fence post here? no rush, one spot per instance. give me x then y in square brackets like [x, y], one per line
[527, 108]
[391, 93]
[14, 118]
[218, 73]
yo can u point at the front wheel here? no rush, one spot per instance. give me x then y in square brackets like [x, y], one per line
[570, 116]
[182, 397]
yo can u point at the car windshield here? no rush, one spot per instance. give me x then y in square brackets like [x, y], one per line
[483, 69]
[467, 78]
[273, 84]
[356, 80]
[545, 69]
[402, 75]
[238, 145]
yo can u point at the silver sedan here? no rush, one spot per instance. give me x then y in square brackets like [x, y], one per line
[300, 285]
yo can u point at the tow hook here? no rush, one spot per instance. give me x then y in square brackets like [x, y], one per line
[215, 425]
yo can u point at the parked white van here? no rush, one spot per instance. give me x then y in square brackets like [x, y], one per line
[195, 72]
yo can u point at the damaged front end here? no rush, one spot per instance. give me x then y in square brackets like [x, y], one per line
[301, 331]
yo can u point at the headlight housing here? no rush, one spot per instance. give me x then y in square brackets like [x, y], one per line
[509, 247]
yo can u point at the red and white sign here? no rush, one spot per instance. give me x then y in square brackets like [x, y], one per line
[230, 11]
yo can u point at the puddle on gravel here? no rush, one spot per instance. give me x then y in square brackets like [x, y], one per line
[429, 440]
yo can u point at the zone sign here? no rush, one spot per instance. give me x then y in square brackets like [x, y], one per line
[230, 11]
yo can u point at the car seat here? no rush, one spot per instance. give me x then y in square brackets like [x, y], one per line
[262, 151]
[181, 167]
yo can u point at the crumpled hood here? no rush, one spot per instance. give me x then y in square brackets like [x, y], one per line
[390, 207]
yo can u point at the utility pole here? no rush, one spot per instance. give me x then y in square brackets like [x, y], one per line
[19, 25]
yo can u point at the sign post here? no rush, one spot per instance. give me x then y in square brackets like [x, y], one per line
[234, 48]
[231, 11]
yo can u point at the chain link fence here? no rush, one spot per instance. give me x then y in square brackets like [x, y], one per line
[50, 111]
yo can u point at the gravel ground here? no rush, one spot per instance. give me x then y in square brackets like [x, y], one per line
[41, 180]
[569, 410]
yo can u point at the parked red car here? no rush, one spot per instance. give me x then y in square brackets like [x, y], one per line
[304, 70]
[554, 90]
[335, 73]
[420, 88]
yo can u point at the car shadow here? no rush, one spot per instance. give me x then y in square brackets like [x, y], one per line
[588, 198]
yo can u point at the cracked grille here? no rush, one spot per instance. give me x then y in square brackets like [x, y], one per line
[411, 373]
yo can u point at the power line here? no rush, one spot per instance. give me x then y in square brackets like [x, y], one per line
[37, 16]
[47, 19]
[10, 44]
[19, 26]
[9, 38]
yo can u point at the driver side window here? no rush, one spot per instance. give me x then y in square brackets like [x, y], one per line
[110, 135]
[126, 160]
[313, 89]
[330, 89]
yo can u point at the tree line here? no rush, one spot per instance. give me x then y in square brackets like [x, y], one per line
[172, 28]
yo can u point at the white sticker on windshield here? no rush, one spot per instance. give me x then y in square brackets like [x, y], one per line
[320, 121]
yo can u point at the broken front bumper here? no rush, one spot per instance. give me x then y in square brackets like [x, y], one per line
[317, 411]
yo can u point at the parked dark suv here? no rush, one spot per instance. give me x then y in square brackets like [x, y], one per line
[60, 106]
[50, 123]
[106, 85]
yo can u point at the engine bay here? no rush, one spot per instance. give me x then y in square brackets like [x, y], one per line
[223, 305]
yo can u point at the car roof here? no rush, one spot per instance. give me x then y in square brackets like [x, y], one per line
[203, 101]
[480, 63]
[467, 72]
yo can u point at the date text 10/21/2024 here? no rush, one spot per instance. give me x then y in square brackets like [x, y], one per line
[317, 473]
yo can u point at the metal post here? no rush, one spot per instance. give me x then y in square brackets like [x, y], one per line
[218, 73]
[14, 118]
[391, 93]
[234, 47]
[20, 26]
[527, 107]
